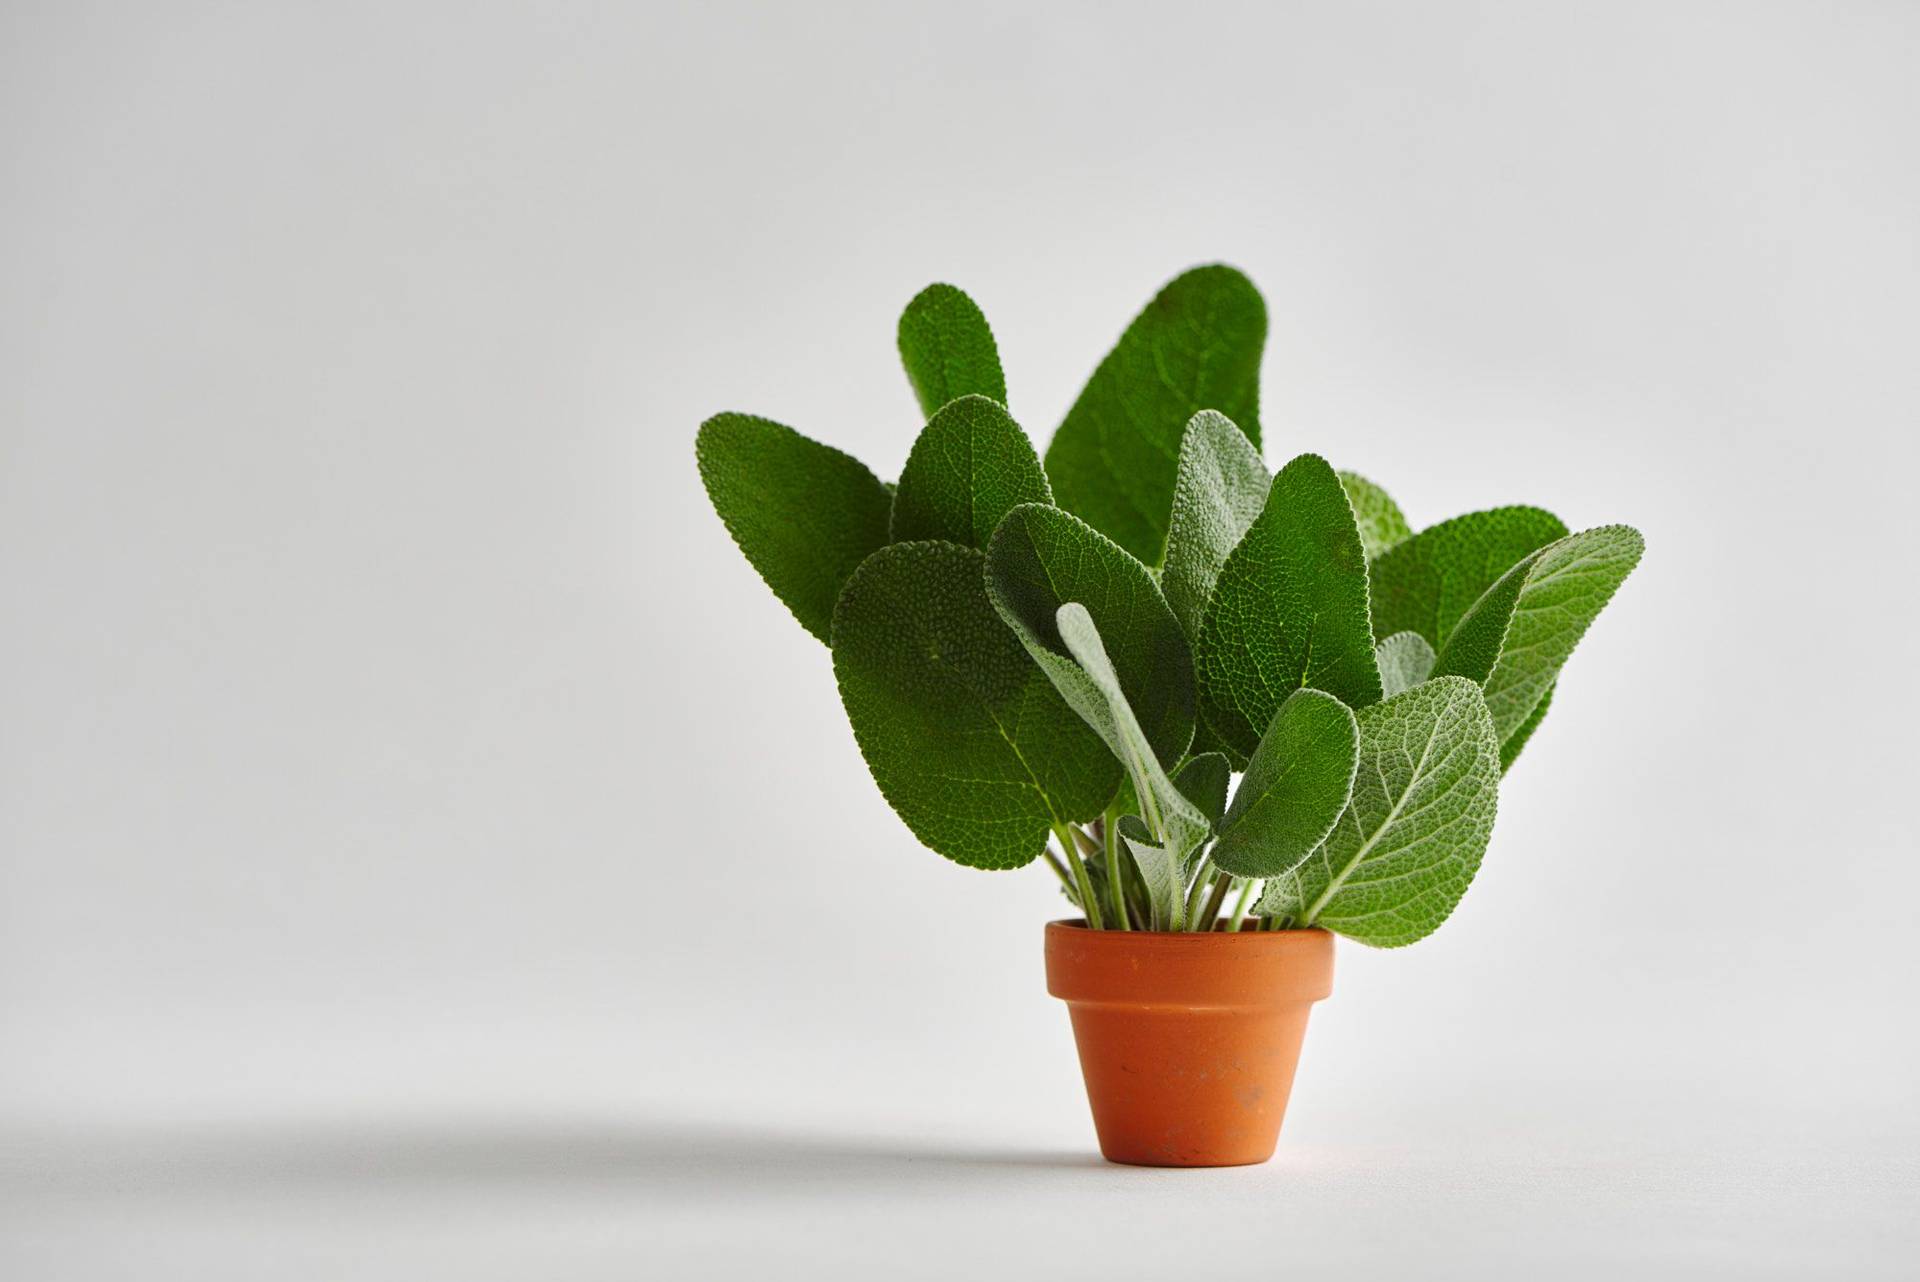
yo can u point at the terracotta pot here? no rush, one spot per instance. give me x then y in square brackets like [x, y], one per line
[1188, 1042]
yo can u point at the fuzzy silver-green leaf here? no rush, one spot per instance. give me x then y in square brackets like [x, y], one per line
[1219, 487]
[1171, 827]
[1510, 746]
[1412, 838]
[1518, 636]
[1382, 525]
[1405, 661]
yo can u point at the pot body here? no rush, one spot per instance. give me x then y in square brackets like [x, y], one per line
[1188, 1042]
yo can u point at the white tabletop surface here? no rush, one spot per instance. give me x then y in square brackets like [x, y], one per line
[1581, 1180]
[427, 851]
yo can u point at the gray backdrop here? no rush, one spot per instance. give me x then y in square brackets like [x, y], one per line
[427, 849]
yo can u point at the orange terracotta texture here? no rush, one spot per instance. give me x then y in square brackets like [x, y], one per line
[1188, 1042]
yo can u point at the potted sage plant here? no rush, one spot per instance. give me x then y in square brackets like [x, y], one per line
[1070, 661]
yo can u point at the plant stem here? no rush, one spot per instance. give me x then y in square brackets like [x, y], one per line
[1060, 871]
[1138, 909]
[1089, 904]
[1198, 889]
[1247, 891]
[1091, 850]
[1110, 838]
[1086, 845]
[1211, 913]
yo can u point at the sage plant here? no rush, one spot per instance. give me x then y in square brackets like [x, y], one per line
[1072, 660]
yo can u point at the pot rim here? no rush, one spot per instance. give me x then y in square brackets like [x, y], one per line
[1244, 970]
[1079, 924]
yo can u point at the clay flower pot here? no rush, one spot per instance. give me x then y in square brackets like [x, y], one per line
[1188, 1042]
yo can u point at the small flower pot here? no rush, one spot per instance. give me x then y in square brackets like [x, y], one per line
[1188, 1042]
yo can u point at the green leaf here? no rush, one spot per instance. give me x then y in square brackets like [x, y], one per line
[1405, 661]
[1381, 523]
[971, 465]
[1219, 487]
[1296, 786]
[804, 513]
[1160, 872]
[1207, 740]
[948, 350]
[1510, 747]
[1204, 780]
[1520, 633]
[1169, 827]
[1289, 610]
[1412, 838]
[1041, 558]
[968, 740]
[1427, 582]
[1196, 346]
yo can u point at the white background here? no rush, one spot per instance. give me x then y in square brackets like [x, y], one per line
[427, 850]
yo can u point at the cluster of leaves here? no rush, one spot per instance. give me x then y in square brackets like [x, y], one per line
[1090, 649]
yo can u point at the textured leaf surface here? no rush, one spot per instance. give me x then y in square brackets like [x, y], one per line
[1520, 633]
[970, 466]
[1196, 346]
[1204, 781]
[1427, 582]
[1219, 488]
[804, 513]
[1381, 523]
[968, 740]
[1409, 843]
[1405, 661]
[1041, 558]
[1207, 739]
[1510, 747]
[1296, 786]
[1289, 610]
[1169, 827]
[948, 349]
[1160, 868]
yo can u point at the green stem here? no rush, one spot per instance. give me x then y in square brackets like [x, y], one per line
[1110, 838]
[1089, 904]
[1149, 805]
[1198, 889]
[1091, 851]
[1247, 891]
[1060, 871]
[1086, 845]
[1211, 913]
